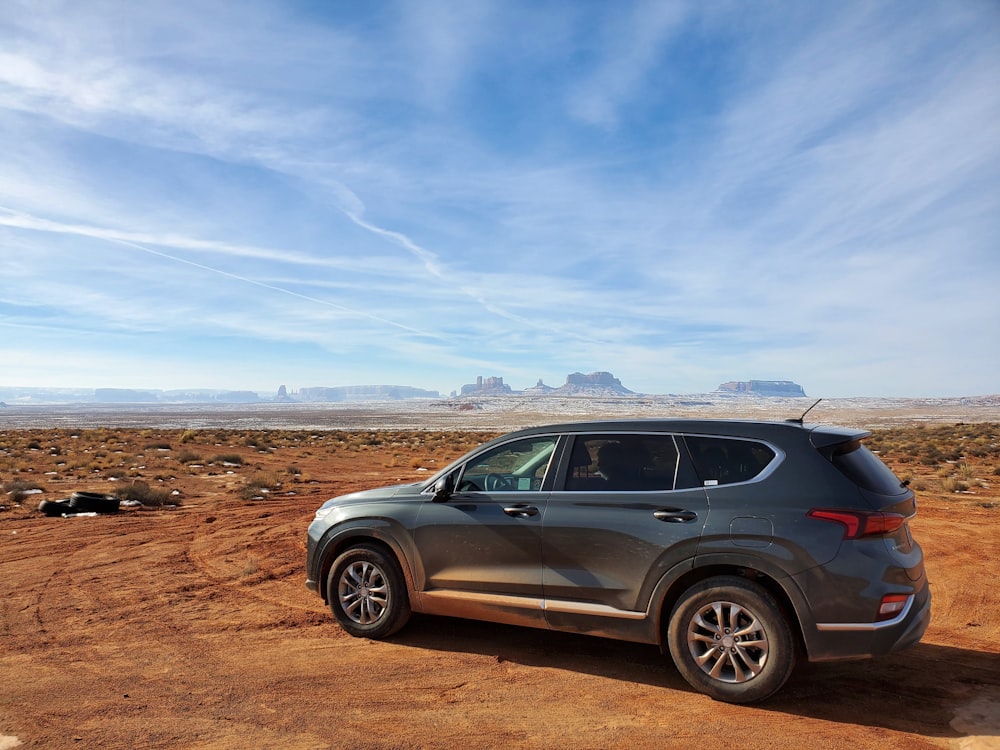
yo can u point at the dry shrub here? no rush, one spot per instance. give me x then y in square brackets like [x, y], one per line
[252, 564]
[142, 492]
[17, 489]
[260, 484]
[951, 484]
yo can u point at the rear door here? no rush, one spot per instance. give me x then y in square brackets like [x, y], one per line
[623, 512]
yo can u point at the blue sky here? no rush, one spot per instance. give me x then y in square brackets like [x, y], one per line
[241, 195]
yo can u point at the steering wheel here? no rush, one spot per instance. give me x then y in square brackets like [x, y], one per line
[498, 483]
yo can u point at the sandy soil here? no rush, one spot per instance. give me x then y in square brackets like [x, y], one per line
[191, 628]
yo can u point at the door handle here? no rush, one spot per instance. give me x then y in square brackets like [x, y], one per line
[674, 515]
[520, 510]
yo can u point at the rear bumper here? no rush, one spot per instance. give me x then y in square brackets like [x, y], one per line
[844, 641]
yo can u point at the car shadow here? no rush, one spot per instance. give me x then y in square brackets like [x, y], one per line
[915, 691]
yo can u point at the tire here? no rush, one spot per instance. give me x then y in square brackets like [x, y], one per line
[367, 593]
[731, 641]
[55, 507]
[93, 502]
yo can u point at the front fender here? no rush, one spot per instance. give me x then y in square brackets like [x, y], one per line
[387, 532]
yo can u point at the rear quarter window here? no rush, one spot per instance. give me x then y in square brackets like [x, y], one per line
[865, 469]
[728, 460]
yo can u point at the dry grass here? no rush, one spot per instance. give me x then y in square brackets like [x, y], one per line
[142, 465]
[260, 485]
[954, 463]
[141, 492]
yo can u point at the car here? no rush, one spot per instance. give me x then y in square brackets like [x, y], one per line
[738, 547]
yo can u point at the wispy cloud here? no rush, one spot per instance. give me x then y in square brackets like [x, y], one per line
[680, 193]
[630, 49]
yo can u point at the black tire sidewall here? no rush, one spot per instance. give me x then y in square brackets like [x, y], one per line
[55, 508]
[397, 610]
[754, 597]
[93, 502]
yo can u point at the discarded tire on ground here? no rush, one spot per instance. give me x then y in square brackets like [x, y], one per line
[55, 507]
[93, 502]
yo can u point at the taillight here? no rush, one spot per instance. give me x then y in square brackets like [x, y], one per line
[860, 523]
[892, 605]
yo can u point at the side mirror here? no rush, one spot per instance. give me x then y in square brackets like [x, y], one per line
[443, 488]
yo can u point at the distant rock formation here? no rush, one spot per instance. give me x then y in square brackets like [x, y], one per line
[492, 386]
[538, 389]
[4, 406]
[594, 384]
[365, 393]
[779, 388]
[283, 397]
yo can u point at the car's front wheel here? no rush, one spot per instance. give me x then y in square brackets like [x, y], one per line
[367, 592]
[730, 640]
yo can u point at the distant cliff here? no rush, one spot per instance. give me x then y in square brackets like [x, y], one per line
[132, 396]
[124, 396]
[364, 393]
[781, 388]
[594, 384]
[491, 386]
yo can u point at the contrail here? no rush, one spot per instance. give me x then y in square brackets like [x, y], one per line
[33, 223]
[433, 266]
[279, 289]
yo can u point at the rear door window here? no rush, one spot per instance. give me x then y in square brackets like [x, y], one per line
[623, 463]
[719, 460]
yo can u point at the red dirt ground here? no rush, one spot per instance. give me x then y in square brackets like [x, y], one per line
[190, 627]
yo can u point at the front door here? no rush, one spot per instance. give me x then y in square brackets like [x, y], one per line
[480, 551]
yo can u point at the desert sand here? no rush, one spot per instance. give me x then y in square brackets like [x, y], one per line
[190, 626]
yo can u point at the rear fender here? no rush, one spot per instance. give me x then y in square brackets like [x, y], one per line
[784, 588]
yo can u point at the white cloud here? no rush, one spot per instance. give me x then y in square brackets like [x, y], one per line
[632, 43]
[531, 189]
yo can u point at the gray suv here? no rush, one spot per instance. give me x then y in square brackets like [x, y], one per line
[737, 546]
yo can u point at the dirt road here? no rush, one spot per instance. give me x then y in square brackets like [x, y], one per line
[191, 628]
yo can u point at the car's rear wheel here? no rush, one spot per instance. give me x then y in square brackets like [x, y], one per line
[730, 640]
[367, 592]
